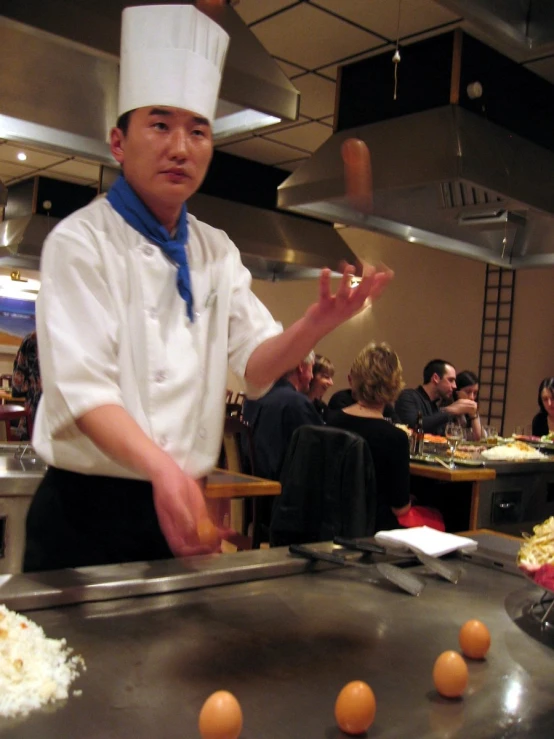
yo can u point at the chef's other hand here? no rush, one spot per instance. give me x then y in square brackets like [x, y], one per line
[180, 506]
[351, 297]
[462, 407]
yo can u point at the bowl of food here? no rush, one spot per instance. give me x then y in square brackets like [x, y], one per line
[536, 555]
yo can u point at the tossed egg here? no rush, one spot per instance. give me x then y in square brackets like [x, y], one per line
[475, 639]
[450, 674]
[220, 717]
[207, 532]
[355, 707]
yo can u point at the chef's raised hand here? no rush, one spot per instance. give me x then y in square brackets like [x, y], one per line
[350, 298]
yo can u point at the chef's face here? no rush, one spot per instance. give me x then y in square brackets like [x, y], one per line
[446, 384]
[165, 154]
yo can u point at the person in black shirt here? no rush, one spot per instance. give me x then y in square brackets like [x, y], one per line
[376, 379]
[322, 380]
[439, 383]
[543, 422]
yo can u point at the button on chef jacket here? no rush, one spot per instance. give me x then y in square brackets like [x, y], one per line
[113, 330]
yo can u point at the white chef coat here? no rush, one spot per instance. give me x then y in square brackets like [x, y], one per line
[113, 329]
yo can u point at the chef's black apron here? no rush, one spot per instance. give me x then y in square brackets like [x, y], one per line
[77, 520]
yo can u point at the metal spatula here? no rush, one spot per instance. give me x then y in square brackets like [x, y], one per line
[402, 579]
[443, 569]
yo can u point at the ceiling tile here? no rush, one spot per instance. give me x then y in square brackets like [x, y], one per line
[332, 70]
[77, 168]
[328, 121]
[292, 165]
[317, 95]
[35, 159]
[308, 36]
[253, 10]
[92, 182]
[543, 67]
[282, 126]
[10, 170]
[291, 70]
[261, 150]
[308, 136]
[381, 16]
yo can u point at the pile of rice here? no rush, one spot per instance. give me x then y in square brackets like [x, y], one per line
[34, 670]
[513, 451]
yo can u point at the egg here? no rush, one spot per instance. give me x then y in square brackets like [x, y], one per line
[450, 674]
[475, 639]
[207, 533]
[355, 707]
[220, 717]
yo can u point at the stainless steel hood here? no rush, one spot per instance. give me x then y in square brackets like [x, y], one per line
[59, 75]
[274, 246]
[445, 178]
[21, 240]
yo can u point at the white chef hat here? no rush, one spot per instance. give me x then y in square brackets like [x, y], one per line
[170, 55]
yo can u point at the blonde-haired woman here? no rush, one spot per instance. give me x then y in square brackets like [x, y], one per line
[376, 379]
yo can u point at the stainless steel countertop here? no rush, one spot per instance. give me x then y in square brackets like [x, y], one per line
[285, 646]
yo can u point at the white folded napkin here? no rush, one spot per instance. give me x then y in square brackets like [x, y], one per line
[424, 539]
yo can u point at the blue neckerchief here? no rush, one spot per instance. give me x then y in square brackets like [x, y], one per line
[130, 207]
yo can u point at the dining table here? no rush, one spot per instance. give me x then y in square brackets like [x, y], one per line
[473, 475]
[227, 485]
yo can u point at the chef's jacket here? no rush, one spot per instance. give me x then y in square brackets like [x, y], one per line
[113, 329]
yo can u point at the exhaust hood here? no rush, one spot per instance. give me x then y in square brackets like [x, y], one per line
[449, 175]
[273, 245]
[59, 79]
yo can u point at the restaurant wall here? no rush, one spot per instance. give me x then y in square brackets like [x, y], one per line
[431, 309]
[532, 349]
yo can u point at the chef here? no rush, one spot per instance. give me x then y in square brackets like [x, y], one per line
[141, 310]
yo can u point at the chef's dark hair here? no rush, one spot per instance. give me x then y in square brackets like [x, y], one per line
[546, 384]
[466, 379]
[435, 366]
[123, 122]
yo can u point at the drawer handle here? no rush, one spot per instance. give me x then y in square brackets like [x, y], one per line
[506, 506]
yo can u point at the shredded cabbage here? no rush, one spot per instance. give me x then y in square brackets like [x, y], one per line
[538, 549]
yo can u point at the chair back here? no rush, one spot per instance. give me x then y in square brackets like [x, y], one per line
[9, 413]
[238, 446]
[234, 404]
[6, 379]
[328, 488]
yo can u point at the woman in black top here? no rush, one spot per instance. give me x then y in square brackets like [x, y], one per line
[322, 380]
[376, 379]
[543, 422]
[467, 387]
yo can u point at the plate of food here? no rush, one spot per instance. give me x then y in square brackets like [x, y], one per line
[513, 451]
[536, 555]
[544, 442]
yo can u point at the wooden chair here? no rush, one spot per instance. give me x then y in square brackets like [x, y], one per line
[237, 455]
[6, 379]
[234, 404]
[9, 413]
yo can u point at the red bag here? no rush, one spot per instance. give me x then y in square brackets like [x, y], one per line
[419, 515]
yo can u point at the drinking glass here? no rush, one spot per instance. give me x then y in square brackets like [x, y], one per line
[454, 433]
[491, 435]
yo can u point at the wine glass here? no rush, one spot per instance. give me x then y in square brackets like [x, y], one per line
[454, 433]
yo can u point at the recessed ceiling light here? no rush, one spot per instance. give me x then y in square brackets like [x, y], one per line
[21, 156]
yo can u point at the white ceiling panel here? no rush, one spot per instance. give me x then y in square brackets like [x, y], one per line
[292, 165]
[308, 136]
[328, 121]
[35, 159]
[77, 168]
[312, 38]
[381, 16]
[71, 178]
[261, 150]
[9, 170]
[291, 70]
[317, 95]
[332, 71]
[253, 10]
